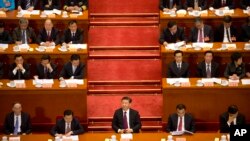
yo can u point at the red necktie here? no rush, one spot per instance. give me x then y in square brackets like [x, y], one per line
[200, 36]
[180, 125]
[223, 3]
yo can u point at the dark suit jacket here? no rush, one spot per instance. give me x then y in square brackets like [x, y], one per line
[165, 4]
[56, 4]
[54, 36]
[1, 70]
[59, 128]
[173, 123]
[201, 3]
[23, 3]
[31, 35]
[26, 75]
[244, 4]
[50, 75]
[224, 128]
[219, 36]
[134, 120]
[231, 69]
[245, 33]
[9, 123]
[5, 38]
[67, 71]
[78, 3]
[208, 32]
[167, 36]
[217, 4]
[201, 69]
[173, 71]
[67, 37]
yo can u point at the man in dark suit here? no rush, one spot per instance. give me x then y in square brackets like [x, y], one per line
[48, 36]
[208, 68]
[201, 32]
[77, 5]
[1, 70]
[46, 69]
[226, 32]
[167, 5]
[19, 69]
[5, 37]
[73, 69]
[172, 34]
[221, 4]
[24, 34]
[231, 117]
[72, 35]
[178, 68]
[50, 4]
[181, 121]
[126, 119]
[68, 125]
[245, 31]
[191, 5]
[17, 122]
[26, 4]
[245, 4]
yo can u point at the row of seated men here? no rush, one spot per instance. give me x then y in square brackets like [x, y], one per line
[68, 5]
[80, 5]
[166, 5]
[125, 120]
[48, 35]
[74, 69]
[226, 32]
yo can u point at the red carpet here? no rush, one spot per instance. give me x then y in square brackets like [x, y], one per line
[118, 6]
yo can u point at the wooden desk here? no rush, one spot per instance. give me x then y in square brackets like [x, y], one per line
[187, 21]
[34, 57]
[37, 23]
[136, 137]
[44, 104]
[193, 57]
[205, 103]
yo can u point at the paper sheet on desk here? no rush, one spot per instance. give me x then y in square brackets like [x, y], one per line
[19, 81]
[203, 45]
[171, 81]
[73, 138]
[75, 81]
[233, 81]
[24, 46]
[43, 81]
[127, 136]
[176, 133]
[78, 46]
[245, 81]
[197, 13]
[4, 46]
[175, 46]
[33, 12]
[209, 80]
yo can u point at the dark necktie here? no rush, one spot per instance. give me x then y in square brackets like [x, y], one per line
[23, 37]
[170, 4]
[223, 3]
[19, 74]
[67, 128]
[16, 126]
[45, 73]
[48, 36]
[228, 37]
[208, 71]
[125, 121]
[28, 4]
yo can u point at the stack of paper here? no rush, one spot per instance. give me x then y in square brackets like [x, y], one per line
[171, 81]
[127, 136]
[54, 11]
[75, 81]
[245, 81]
[78, 46]
[73, 138]
[3, 46]
[43, 81]
[203, 45]
[33, 12]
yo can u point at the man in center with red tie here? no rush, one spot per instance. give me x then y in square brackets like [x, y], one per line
[181, 121]
[125, 119]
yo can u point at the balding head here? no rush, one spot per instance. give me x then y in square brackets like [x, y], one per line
[48, 25]
[17, 108]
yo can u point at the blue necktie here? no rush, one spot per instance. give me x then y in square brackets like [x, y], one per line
[28, 4]
[16, 126]
[170, 4]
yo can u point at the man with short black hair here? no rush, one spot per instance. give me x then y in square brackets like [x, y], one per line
[72, 35]
[191, 5]
[73, 69]
[17, 122]
[68, 125]
[201, 32]
[126, 119]
[172, 34]
[208, 68]
[46, 69]
[26, 5]
[178, 68]
[170, 5]
[231, 117]
[181, 121]
[222, 4]
[226, 33]
[19, 69]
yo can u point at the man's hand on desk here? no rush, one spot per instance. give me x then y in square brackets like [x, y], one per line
[69, 134]
[129, 131]
[30, 9]
[165, 43]
[166, 10]
[59, 135]
[18, 42]
[248, 74]
[233, 39]
[206, 39]
[234, 77]
[190, 9]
